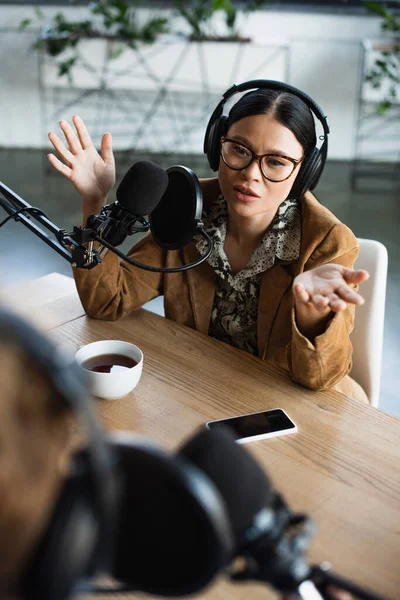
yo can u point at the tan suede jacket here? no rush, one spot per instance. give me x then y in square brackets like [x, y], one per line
[114, 289]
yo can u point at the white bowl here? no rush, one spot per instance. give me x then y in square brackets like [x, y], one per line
[116, 384]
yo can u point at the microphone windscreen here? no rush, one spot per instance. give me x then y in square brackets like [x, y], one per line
[241, 481]
[173, 534]
[142, 187]
[175, 219]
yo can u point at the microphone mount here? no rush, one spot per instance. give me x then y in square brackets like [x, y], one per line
[275, 554]
[120, 228]
[68, 245]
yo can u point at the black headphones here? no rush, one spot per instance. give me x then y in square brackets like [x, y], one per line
[77, 539]
[312, 165]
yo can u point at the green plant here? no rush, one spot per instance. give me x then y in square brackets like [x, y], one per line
[386, 67]
[199, 13]
[110, 19]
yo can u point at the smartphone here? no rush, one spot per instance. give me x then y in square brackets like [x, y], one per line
[257, 426]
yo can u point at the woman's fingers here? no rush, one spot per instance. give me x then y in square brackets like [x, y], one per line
[300, 292]
[349, 295]
[60, 166]
[355, 275]
[60, 147]
[336, 303]
[70, 135]
[83, 134]
[320, 301]
[106, 149]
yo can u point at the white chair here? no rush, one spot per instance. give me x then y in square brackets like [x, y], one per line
[367, 335]
[156, 306]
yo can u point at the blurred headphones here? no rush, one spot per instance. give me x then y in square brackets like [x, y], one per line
[312, 166]
[78, 534]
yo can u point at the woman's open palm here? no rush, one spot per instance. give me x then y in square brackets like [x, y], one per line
[330, 286]
[92, 174]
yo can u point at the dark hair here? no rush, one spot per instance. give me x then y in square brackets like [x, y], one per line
[286, 108]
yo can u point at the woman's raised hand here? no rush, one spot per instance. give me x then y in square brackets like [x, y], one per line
[92, 174]
[322, 291]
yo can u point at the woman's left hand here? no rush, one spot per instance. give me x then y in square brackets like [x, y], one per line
[322, 291]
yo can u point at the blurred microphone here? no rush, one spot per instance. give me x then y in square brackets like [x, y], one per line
[266, 533]
[215, 456]
[173, 534]
[183, 519]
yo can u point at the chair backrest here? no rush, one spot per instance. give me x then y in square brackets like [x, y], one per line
[156, 306]
[367, 335]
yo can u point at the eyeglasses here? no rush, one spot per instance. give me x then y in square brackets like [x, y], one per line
[274, 167]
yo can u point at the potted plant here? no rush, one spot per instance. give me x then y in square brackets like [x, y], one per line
[113, 20]
[384, 74]
[199, 16]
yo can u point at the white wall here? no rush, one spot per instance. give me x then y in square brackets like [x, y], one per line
[324, 62]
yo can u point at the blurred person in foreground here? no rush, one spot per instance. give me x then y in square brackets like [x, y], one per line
[35, 436]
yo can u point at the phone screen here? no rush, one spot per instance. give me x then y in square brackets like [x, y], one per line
[268, 423]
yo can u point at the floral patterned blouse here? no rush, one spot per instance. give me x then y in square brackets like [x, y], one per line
[235, 307]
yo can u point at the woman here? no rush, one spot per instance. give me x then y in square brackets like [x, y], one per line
[279, 283]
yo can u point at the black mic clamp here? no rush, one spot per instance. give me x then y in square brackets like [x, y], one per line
[116, 229]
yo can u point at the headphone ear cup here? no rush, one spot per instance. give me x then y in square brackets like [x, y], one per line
[317, 168]
[212, 143]
[308, 175]
[67, 549]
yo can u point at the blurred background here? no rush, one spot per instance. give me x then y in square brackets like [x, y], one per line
[151, 73]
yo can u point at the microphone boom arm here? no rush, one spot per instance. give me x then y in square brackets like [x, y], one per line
[70, 245]
[67, 245]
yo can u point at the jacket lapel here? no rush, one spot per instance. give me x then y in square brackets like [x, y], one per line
[274, 283]
[201, 282]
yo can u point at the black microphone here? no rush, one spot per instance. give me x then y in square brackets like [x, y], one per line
[138, 194]
[174, 218]
[173, 534]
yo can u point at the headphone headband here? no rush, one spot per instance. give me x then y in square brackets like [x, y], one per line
[271, 84]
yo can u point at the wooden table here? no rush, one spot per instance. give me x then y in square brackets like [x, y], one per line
[342, 467]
